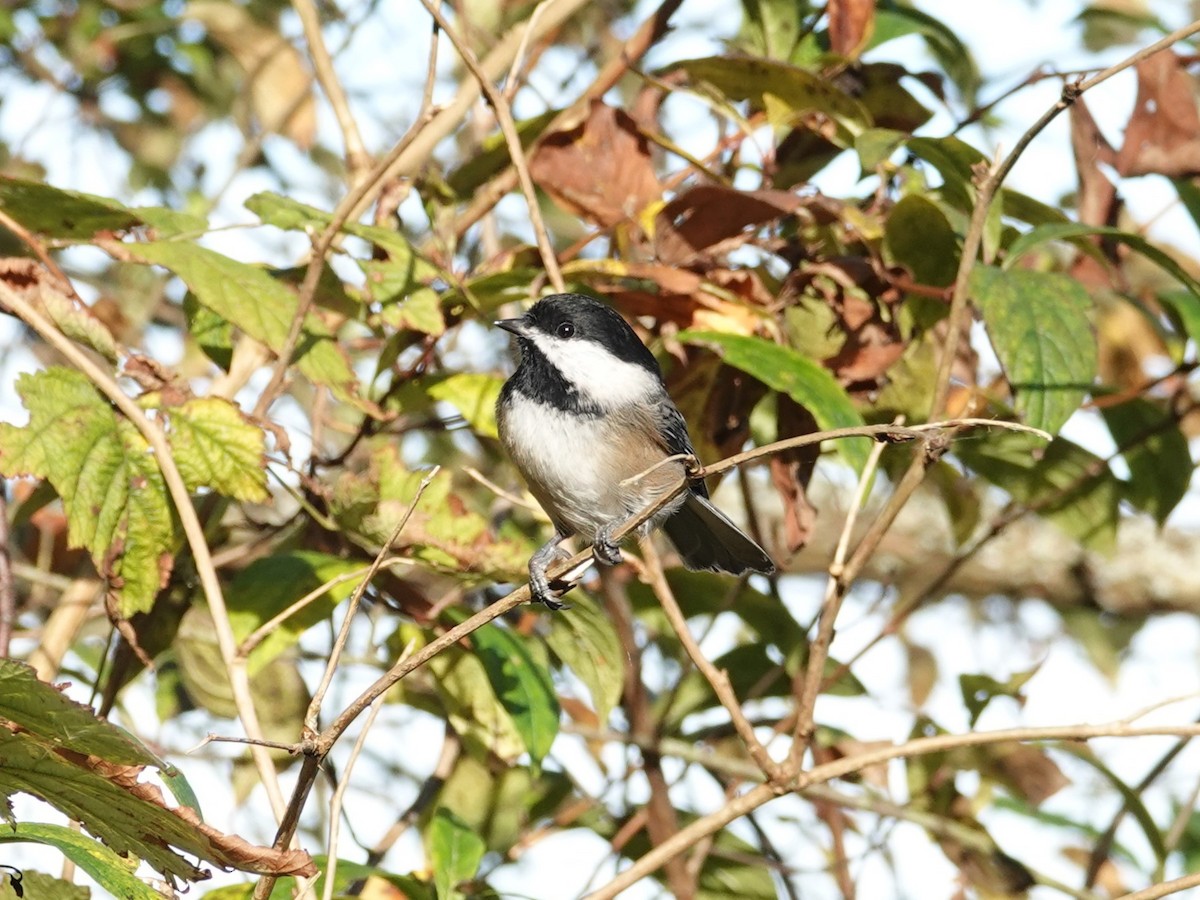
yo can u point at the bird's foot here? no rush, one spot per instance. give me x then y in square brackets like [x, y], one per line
[605, 548]
[539, 583]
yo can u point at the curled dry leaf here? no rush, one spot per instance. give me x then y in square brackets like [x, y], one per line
[850, 25]
[1163, 135]
[791, 471]
[689, 227]
[600, 169]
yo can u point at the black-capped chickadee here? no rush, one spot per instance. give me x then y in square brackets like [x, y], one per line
[587, 412]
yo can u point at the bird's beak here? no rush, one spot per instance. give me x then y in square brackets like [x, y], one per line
[513, 326]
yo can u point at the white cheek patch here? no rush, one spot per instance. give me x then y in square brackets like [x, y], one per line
[597, 374]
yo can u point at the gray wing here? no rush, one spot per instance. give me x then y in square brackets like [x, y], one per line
[672, 430]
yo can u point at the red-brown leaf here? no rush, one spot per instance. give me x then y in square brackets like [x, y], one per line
[850, 24]
[600, 169]
[1163, 135]
[707, 215]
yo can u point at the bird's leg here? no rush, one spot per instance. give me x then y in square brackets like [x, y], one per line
[546, 555]
[605, 548]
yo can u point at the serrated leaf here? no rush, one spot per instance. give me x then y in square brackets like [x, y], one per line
[584, 638]
[522, 685]
[1039, 326]
[270, 585]
[782, 369]
[215, 446]
[59, 721]
[474, 395]
[76, 321]
[59, 213]
[248, 297]
[112, 491]
[113, 873]
[284, 212]
[1068, 485]
[1160, 464]
[455, 852]
[43, 758]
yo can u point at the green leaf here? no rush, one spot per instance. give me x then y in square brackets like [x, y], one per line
[1068, 485]
[493, 155]
[248, 297]
[1075, 232]
[455, 852]
[797, 90]
[583, 637]
[110, 871]
[215, 446]
[57, 721]
[981, 689]
[291, 215]
[474, 395]
[112, 491]
[471, 706]
[58, 213]
[522, 685]
[918, 235]
[51, 754]
[895, 20]
[783, 369]
[1160, 464]
[212, 334]
[1039, 326]
[270, 585]
[875, 145]
[40, 885]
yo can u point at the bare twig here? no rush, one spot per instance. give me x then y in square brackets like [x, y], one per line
[339, 794]
[357, 158]
[335, 654]
[810, 679]
[1165, 889]
[508, 128]
[8, 594]
[840, 768]
[718, 679]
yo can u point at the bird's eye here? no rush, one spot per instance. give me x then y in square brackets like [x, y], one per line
[565, 330]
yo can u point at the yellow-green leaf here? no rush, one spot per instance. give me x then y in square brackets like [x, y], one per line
[215, 446]
[474, 395]
[112, 491]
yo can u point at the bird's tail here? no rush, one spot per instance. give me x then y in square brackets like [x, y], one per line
[706, 539]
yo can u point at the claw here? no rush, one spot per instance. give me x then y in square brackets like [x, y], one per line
[539, 582]
[605, 549]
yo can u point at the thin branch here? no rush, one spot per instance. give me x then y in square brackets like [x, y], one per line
[357, 158]
[339, 794]
[508, 128]
[192, 528]
[718, 679]
[335, 654]
[840, 768]
[259, 634]
[8, 594]
[647, 35]
[810, 679]
[1165, 889]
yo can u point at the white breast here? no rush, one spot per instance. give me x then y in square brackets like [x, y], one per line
[566, 462]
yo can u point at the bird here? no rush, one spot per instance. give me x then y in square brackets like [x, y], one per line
[587, 420]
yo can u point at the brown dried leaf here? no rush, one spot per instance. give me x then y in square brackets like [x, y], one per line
[1163, 135]
[791, 470]
[1030, 771]
[600, 169]
[850, 25]
[696, 221]
[1097, 203]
